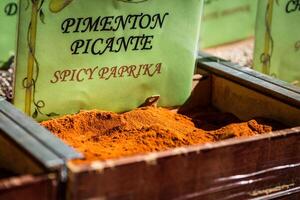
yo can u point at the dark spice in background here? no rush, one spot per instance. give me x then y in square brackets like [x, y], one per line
[6, 79]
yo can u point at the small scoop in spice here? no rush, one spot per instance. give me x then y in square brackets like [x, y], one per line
[151, 101]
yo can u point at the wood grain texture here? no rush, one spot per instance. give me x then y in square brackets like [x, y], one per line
[233, 169]
[269, 86]
[29, 187]
[15, 159]
[246, 104]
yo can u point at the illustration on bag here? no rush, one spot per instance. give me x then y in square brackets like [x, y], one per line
[29, 83]
[276, 50]
[10, 10]
[265, 57]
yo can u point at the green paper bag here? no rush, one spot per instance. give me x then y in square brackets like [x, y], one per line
[277, 45]
[104, 54]
[226, 21]
[8, 33]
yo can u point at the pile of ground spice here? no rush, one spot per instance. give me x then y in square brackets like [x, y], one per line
[106, 135]
[6, 83]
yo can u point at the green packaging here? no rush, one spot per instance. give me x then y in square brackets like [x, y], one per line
[226, 21]
[8, 33]
[108, 54]
[277, 45]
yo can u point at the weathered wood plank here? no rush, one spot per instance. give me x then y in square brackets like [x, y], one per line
[19, 139]
[274, 88]
[38, 132]
[29, 187]
[247, 104]
[209, 58]
[15, 159]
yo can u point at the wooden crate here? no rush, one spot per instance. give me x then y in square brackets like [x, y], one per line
[260, 167]
[32, 152]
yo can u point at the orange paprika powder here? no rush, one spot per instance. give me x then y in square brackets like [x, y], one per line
[107, 135]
